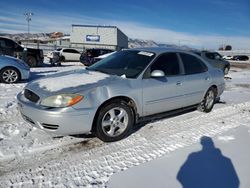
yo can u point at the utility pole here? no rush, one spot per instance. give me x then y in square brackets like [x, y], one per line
[28, 19]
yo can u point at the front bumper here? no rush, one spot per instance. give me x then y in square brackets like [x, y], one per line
[60, 121]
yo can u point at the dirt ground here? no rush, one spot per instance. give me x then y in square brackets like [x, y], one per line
[240, 65]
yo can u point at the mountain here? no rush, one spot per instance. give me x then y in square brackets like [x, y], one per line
[140, 43]
[23, 36]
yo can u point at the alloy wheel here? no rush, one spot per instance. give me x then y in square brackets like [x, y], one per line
[115, 122]
[10, 76]
[209, 99]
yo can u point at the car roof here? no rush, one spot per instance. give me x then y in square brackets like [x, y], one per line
[159, 50]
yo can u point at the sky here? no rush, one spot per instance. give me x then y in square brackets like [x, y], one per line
[200, 23]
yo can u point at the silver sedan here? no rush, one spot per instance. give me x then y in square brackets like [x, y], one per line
[109, 97]
[13, 69]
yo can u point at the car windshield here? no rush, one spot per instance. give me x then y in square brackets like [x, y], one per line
[128, 62]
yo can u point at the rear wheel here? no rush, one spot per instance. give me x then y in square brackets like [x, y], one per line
[62, 59]
[114, 121]
[207, 103]
[31, 61]
[9, 75]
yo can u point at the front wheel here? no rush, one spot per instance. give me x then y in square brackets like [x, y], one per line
[114, 121]
[208, 101]
[9, 75]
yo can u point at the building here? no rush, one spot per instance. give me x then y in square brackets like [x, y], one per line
[94, 36]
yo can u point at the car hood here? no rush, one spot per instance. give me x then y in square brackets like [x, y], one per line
[70, 82]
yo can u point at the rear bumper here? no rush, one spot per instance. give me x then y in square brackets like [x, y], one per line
[220, 89]
[60, 121]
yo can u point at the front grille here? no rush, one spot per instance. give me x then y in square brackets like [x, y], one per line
[31, 96]
[50, 126]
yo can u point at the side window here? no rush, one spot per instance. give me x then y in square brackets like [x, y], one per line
[192, 65]
[10, 44]
[217, 56]
[210, 55]
[2, 44]
[70, 51]
[74, 51]
[168, 63]
[66, 50]
[198, 53]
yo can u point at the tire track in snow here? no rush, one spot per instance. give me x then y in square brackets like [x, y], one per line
[93, 167]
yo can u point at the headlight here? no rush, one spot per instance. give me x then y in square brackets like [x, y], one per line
[63, 100]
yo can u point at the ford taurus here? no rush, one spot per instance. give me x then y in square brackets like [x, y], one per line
[108, 98]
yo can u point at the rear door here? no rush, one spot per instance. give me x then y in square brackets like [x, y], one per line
[75, 55]
[197, 79]
[214, 59]
[164, 93]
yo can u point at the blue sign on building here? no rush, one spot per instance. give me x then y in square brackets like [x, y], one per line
[93, 38]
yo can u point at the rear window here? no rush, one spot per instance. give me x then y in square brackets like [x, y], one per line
[198, 53]
[192, 64]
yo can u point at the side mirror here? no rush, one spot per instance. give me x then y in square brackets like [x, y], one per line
[157, 74]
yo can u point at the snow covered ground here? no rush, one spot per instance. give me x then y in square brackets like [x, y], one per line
[30, 157]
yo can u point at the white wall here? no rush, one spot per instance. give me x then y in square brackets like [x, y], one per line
[108, 35]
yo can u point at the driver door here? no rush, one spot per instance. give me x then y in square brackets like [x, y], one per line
[164, 93]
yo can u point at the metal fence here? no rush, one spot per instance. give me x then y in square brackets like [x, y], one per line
[235, 52]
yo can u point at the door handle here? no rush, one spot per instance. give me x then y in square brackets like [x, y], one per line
[179, 83]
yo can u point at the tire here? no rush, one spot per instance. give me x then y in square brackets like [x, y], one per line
[226, 70]
[109, 127]
[208, 101]
[31, 61]
[62, 59]
[9, 75]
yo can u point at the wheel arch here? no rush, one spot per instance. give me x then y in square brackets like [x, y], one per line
[13, 67]
[211, 86]
[62, 58]
[216, 89]
[130, 102]
[34, 57]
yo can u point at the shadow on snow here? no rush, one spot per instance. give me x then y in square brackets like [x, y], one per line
[208, 168]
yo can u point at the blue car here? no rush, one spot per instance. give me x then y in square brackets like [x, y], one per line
[13, 70]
